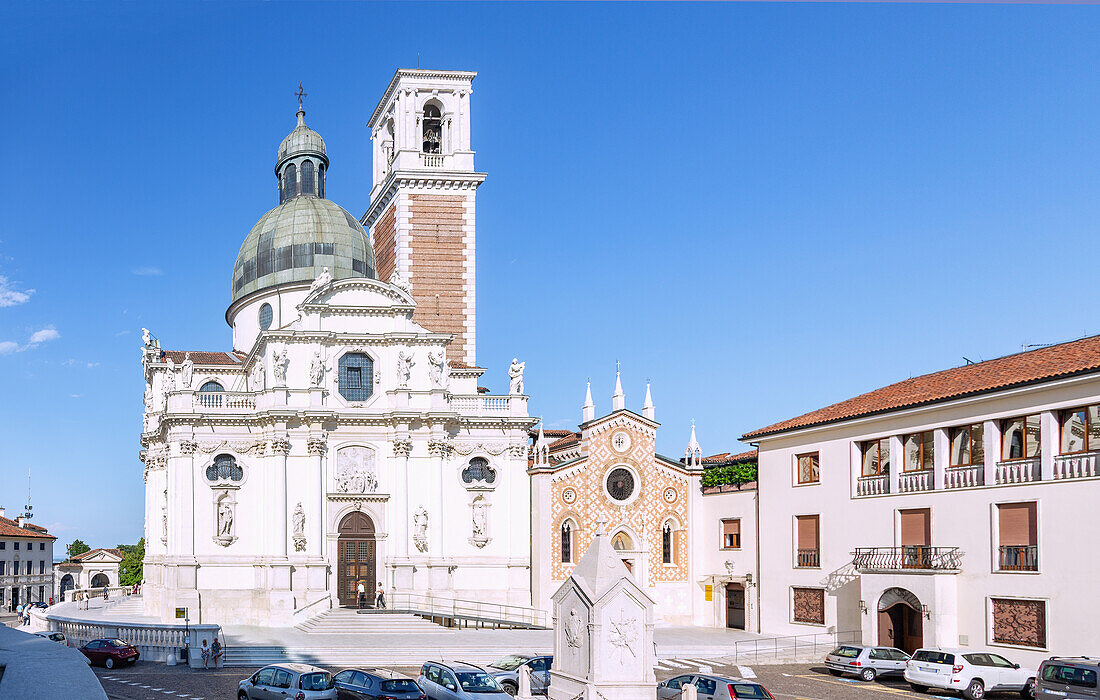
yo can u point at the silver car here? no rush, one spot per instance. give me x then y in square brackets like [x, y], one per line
[285, 681]
[506, 671]
[867, 662]
[712, 688]
[445, 680]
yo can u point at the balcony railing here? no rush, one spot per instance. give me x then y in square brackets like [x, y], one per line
[431, 160]
[873, 485]
[1078, 466]
[906, 558]
[1018, 471]
[809, 558]
[915, 481]
[226, 400]
[964, 477]
[1019, 557]
[482, 404]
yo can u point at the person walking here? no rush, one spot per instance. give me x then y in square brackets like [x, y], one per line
[380, 598]
[362, 594]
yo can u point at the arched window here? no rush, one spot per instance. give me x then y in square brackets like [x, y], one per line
[291, 177]
[667, 542]
[211, 386]
[266, 316]
[356, 376]
[567, 542]
[479, 470]
[224, 468]
[433, 130]
[320, 181]
[622, 542]
[307, 177]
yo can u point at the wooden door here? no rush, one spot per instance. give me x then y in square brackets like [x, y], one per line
[356, 559]
[735, 606]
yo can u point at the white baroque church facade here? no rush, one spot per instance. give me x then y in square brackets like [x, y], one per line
[343, 438]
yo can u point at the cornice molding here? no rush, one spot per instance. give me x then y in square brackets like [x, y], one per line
[455, 180]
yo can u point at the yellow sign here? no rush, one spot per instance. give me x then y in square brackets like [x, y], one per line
[182, 612]
[708, 593]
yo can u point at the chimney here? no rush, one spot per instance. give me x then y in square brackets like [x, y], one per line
[2, 511]
[19, 521]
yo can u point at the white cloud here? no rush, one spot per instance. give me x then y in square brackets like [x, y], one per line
[75, 396]
[122, 333]
[93, 364]
[68, 363]
[46, 334]
[7, 347]
[147, 271]
[10, 296]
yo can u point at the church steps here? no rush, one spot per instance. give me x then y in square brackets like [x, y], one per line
[350, 622]
[363, 656]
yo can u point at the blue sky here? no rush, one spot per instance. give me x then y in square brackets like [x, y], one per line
[762, 208]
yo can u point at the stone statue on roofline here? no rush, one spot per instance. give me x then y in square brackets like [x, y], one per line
[321, 282]
[515, 374]
[186, 372]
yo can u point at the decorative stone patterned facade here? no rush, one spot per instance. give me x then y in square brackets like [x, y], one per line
[1022, 622]
[808, 605]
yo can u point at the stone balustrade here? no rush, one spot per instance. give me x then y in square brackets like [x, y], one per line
[1077, 466]
[1018, 471]
[915, 481]
[873, 485]
[964, 477]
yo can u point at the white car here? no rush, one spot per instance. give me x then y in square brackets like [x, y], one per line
[972, 673]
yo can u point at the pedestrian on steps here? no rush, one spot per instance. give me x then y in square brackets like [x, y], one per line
[362, 594]
[380, 598]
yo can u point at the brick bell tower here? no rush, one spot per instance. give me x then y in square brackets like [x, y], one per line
[421, 216]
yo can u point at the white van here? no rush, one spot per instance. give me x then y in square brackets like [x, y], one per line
[969, 672]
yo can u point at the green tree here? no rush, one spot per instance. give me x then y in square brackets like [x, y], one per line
[78, 547]
[130, 570]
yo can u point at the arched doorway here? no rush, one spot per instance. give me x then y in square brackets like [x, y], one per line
[67, 584]
[900, 621]
[100, 581]
[356, 558]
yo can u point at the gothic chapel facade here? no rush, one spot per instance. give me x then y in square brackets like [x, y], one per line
[343, 438]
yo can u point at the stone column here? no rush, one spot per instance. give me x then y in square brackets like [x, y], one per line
[280, 447]
[991, 444]
[941, 448]
[402, 447]
[1048, 443]
[318, 446]
[897, 463]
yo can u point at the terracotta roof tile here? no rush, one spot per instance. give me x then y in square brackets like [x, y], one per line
[1062, 360]
[201, 357]
[84, 555]
[727, 458]
[566, 441]
[8, 528]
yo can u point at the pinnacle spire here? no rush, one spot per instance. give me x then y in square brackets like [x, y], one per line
[618, 399]
[588, 410]
[694, 453]
[647, 406]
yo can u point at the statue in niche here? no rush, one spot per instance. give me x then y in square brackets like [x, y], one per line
[321, 282]
[299, 522]
[404, 369]
[317, 370]
[355, 470]
[148, 399]
[169, 375]
[574, 629]
[187, 370]
[164, 521]
[437, 371]
[225, 519]
[515, 374]
[480, 517]
[259, 376]
[420, 529]
[279, 363]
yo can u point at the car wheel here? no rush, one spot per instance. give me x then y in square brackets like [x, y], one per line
[834, 672]
[510, 688]
[109, 662]
[974, 691]
[1028, 689]
[868, 674]
[918, 688]
[242, 696]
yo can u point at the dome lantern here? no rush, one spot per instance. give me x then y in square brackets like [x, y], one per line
[301, 162]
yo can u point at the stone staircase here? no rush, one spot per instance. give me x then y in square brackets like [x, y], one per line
[344, 621]
[400, 654]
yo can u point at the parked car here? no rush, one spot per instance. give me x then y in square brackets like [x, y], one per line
[442, 680]
[867, 662]
[972, 673]
[110, 652]
[376, 684]
[40, 604]
[54, 637]
[506, 671]
[712, 688]
[286, 682]
[1069, 678]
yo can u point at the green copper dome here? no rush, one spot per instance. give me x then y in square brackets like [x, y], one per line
[306, 233]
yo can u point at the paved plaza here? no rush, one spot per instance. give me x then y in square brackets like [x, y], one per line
[787, 682]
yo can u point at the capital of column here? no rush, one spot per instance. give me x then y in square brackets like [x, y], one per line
[317, 445]
[280, 446]
[439, 448]
[188, 447]
[402, 447]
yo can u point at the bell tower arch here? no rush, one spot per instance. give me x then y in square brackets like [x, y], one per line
[421, 216]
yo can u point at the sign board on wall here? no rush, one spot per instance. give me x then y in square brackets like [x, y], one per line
[708, 593]
[181, 613]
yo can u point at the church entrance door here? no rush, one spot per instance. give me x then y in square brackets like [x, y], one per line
[356, 559]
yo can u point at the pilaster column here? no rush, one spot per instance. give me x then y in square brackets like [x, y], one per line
[315, 543]
[402, 447]
[897, 463]
[187, 450]
[280, 448]
[1048, 443]
[941, 454]
[438, 449]
[991, 446]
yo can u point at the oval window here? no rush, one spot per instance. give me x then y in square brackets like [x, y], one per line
[266, 316]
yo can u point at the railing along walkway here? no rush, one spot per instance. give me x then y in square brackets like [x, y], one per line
[464, 612]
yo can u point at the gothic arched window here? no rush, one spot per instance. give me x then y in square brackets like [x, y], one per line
[224, 468]
[479, 470]
[356, 376]
[307, 177]
[567, 542]
[433, 130]
[667, 553]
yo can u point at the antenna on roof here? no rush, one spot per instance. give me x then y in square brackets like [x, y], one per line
[27, 515]
[968, 360]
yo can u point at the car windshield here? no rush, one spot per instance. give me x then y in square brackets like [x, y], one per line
[399, 685]
[846, 652]
[117, 643]
[748, 690]
[934, 657]
[316, 681]
[510, 663]
[1070, 675]
[477, 682]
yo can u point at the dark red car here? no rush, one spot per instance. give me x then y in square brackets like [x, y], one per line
[110, 652]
